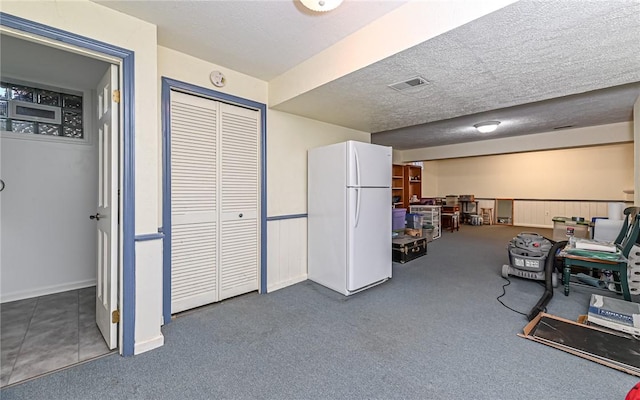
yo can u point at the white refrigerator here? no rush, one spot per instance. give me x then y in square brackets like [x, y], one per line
[349, 216]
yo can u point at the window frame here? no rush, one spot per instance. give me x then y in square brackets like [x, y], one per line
[88, 102]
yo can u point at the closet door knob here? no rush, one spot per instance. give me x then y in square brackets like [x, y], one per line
[240, 215]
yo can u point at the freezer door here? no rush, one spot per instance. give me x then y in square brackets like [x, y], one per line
[368, 236]
[368, 165]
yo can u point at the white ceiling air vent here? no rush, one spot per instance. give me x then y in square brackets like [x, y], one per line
[409, 83]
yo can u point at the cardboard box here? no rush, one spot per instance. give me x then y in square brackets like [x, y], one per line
[413, 232]
[564, 228]
[615, 314]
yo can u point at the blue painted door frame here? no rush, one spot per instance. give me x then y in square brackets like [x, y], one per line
[127, 185]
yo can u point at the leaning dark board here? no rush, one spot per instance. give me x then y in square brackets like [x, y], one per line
[619, 349]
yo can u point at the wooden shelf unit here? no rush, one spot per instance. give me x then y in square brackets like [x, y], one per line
[412, 184]
[397, 185]
[406, 181]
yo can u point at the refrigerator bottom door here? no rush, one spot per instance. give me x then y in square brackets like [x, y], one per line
[368, 236]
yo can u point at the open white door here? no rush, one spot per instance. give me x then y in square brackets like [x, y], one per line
[106, 217]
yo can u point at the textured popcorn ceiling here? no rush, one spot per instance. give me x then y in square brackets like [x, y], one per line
[534, 65]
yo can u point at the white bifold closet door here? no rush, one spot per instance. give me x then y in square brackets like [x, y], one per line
[214, 201]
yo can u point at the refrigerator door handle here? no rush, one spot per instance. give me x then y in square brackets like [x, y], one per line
[357, 207]
[357, 162]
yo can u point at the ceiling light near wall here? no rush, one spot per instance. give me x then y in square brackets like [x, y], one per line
[321, 5]
[486, 127]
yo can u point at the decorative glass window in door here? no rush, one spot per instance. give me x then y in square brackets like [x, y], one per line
[32, 110]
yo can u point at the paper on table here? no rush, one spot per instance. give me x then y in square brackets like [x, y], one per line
[597, 245]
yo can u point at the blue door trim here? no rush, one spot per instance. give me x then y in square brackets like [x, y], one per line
[149, 236]
[128, 196]
[169, 84]
[289, 216]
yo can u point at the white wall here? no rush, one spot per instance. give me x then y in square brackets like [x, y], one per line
[91, 20]
[541, 213]
[53, 184]
[48, 240]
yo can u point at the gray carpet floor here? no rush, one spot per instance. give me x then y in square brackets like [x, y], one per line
[434, 331]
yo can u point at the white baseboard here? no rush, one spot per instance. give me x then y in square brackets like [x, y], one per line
[534, 226]
[141, 347]
[288, 282]
[45, 290]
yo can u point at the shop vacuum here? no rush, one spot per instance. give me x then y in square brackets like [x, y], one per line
[532, 256]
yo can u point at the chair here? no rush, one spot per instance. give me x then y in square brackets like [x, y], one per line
[629, 214]
[624, 242]
[487, 216]
[451, 221]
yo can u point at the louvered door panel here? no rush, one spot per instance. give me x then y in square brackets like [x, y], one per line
[240, 171]
[193, 273]
[194, 211]
[239, 241]
[239, 258]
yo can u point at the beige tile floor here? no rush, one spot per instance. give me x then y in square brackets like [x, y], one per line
[46, 333]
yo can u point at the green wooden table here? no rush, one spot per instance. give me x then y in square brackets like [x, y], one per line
[619, 266]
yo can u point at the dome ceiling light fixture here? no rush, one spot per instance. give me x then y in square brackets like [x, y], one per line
[321, 5]
[486, 127]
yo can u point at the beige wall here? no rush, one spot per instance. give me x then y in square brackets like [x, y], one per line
[288, 139]
[182, 67]
[587, 173]
[430, 185]
[288, 136]
[621, 132]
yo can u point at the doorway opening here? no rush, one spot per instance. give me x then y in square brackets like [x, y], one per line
[49, 243]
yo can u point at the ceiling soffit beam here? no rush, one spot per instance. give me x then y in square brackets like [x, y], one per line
[406, 26]
[621, 132]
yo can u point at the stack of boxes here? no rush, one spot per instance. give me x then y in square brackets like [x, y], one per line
[414, 225]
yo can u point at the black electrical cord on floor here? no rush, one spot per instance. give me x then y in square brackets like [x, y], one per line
[504, 292]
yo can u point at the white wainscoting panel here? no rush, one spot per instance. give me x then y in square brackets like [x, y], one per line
[148, 299]
[286, 252]
[540, 213]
